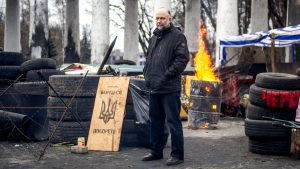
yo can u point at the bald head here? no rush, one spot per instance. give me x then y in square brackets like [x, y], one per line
[164, 10]
[162, 17]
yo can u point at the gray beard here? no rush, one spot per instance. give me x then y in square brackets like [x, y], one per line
[161, 27]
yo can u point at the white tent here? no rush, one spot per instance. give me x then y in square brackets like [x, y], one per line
[281, 37]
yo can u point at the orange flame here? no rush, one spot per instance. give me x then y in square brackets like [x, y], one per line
[204, 125]
[207, 89]
[203, 66]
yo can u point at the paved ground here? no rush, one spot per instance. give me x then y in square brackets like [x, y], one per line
[223, 148]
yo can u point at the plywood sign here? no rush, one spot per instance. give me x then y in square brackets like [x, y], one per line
[108, 113]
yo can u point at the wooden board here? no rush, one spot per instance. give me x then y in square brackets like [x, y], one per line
[106, 125]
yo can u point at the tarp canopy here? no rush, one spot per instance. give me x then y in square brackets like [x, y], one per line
[283, 37]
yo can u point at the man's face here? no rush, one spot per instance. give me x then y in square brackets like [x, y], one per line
[162, 18]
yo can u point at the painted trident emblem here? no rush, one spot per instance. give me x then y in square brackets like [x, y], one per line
[107, 113]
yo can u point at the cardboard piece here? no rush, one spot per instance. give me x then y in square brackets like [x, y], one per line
[106, 125]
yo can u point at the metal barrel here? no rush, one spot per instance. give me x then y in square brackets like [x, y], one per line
[204, 103]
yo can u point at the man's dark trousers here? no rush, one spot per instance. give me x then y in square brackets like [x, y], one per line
[166, 106]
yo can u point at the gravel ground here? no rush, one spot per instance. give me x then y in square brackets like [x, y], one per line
[225, 147]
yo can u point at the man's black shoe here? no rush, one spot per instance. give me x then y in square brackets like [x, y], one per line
[173, 161]
[151, 157]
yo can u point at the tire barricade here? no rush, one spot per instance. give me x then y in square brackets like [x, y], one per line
[82, 108]
[10, 68]
[9, 71]
[273, 95]
[29, 91]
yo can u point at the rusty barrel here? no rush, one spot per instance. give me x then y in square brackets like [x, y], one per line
[204, 103]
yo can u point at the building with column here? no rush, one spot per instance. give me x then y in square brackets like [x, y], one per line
[12, 35]
[100, 30]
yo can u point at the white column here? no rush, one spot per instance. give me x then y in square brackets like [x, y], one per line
[191, 26]
[259, 22]
[100, 30]
[72, 34]
[162, 3]
[39, 31]
[259, 15]
[227, 25]
[131, 41]
[12, 37]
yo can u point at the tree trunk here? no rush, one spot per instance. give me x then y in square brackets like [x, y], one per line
[72, 41]
[227, 25]
[12, 37]
[100, 30]
[131, 41]
[39, 31]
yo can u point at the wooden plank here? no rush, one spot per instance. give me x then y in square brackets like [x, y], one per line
[106, 125]
[273, 65]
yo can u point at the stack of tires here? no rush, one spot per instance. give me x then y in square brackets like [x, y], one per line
[10, 68]
[76, 120]
[273, 95]
[33, 93]
[9, 71]
[129, 135]
[46, 66]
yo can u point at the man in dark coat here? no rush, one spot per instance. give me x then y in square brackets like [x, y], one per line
[166, 59]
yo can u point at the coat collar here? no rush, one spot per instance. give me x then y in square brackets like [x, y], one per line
[159, 33]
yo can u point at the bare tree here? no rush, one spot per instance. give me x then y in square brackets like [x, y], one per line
[244, 14]
[277, 13]
[60, 6]
[145, 24]
[2, 14]
[60, 9]
[118, 8]
[25, 22]
[85, 46]
[39, 30]
[178, 8]
[55, 43]
[145, 20]
[209, 11]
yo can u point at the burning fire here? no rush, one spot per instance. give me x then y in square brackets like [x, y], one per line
[203, 66]
[204, 125]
